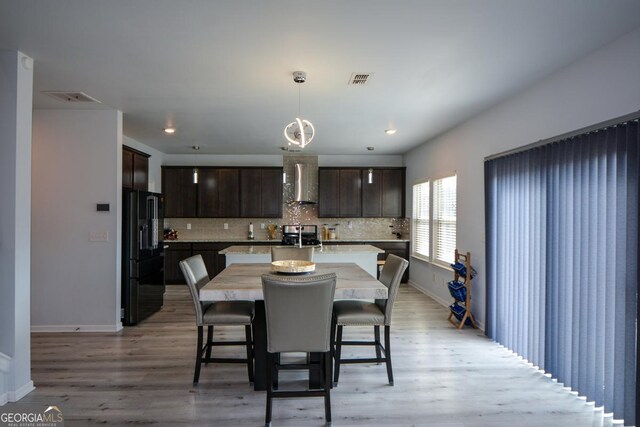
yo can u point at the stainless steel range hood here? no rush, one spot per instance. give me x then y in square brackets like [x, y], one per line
[303, 191]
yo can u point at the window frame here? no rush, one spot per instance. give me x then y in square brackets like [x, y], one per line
[414, 242]
[431, 258]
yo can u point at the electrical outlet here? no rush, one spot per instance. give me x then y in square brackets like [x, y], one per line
[188, 226]
[226, 226]
[350, 224]
[263, 226]
[98, 236]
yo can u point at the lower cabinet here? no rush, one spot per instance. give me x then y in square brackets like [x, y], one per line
[215, 263]
[173, 254]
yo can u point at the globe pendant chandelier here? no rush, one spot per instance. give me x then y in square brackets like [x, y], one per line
[299, 132]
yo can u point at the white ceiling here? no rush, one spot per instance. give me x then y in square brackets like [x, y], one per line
[220, 71]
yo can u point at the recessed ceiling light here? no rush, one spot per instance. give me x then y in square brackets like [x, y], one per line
[370, 148]
[390, 131]
[170, 130]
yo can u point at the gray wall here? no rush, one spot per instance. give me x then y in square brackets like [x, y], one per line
[77, 163]
[600, 86]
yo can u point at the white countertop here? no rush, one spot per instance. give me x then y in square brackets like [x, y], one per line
[325, 249]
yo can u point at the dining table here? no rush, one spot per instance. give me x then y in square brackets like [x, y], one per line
[243, 282]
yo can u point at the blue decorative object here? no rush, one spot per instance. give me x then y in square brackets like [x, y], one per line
[459, 312]
[460, 268]
[458, 290]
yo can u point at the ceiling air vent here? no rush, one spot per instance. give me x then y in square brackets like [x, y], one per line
[71, 96]
[360, 79]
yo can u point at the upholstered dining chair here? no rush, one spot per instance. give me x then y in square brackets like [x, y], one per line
[376, 314]
[219, 313]
[298, 317]
[292, 252]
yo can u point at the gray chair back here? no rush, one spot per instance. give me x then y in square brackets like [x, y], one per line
[195, 273]
[284, 253]
[390, 276]
[298, 311]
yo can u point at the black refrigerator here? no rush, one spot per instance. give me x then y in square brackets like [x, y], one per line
[142, 255]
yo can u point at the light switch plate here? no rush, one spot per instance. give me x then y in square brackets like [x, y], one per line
[226, 226]
[188, 226]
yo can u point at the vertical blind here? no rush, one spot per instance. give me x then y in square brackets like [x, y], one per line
[562, 261]
[444, 219]
[421, 219]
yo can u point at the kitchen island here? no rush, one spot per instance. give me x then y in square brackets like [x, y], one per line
[366, 256]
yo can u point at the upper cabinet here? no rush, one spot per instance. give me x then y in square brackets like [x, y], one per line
[218, 193]
[222, 192]
[261, 193]
[180, 192]
[135, 169]
[349, 193]
[383, 195]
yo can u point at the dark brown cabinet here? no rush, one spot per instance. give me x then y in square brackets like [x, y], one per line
[222, 192]
[173, 254]
[400, 249]
[261, 193]
[383, 197]
[135, 169]
[218, 193]
[328, 180]
[339, 193]
[210, 251]
[350, 198]
[347, 192]
[180, 192]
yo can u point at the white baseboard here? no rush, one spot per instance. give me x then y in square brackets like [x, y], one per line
[7, 395]
[14, 396]
[5, 366]
[427, 292]
[75, 328]
[436, 298]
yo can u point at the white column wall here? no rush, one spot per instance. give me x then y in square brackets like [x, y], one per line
[16, 93]
[598, 87]
[77, 163]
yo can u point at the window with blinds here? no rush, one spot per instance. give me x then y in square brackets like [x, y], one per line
[444, 219]
[434, 220]
[421, 220]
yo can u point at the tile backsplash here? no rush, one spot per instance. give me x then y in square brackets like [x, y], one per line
[361, 228]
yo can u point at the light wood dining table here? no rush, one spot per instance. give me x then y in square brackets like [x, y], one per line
[242, 282]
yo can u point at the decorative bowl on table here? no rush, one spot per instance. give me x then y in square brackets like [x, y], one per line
[293, 266]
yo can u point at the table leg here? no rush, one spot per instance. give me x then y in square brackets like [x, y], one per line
[260, 346]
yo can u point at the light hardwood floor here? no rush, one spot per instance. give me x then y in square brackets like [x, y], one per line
[443, 377]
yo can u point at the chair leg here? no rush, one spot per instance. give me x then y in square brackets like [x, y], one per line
[209, 342]
[196, 375]
[387, 352]
[327, 386]
[336, 372]
[270, 366]
[376, 333]
[247, 333]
